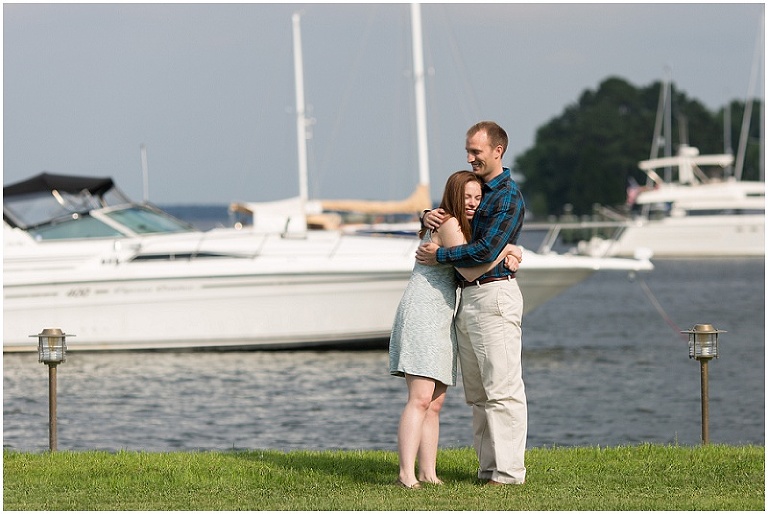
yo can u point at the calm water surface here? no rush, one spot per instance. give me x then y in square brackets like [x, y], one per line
[602, 366]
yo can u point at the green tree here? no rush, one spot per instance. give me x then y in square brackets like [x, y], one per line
[588, 153]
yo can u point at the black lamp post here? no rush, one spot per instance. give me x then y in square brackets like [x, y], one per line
[51, 350]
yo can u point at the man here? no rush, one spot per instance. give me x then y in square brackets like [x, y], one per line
[489, 316]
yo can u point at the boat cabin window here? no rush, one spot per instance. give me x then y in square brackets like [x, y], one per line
[79, 227]
[135, 219]
[725, 212]
[145, 221]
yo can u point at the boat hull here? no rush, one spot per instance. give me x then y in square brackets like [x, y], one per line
[268, 291]
[230, 288]
[207, 312]
[189, 305]
[237, 311]
[695, 236]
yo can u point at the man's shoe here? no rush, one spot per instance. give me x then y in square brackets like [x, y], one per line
[494, 482]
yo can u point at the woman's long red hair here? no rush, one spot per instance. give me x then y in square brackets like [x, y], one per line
[453, 200]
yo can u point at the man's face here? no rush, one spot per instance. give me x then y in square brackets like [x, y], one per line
[484, 158]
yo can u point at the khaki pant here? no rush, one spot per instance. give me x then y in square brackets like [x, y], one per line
[489, 330]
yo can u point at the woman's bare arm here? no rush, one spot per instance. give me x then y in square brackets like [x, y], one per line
[474, 272]
[449, 234]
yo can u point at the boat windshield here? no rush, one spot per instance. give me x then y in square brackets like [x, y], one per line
[65, 207]
[77, 227]
[134, 219]
[142, 220]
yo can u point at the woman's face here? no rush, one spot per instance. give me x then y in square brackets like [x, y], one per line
[473, 193]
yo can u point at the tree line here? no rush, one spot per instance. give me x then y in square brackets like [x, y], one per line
[589, 154]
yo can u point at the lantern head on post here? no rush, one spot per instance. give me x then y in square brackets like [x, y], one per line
[51, 346]
[702, 341]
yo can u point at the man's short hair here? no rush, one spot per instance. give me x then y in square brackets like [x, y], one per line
[496, 134]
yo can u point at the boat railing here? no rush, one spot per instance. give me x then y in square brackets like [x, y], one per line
[574, 231]
[605, 222]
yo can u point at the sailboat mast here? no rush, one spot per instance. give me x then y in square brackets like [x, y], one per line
[668, 128]
[664, 117]
[744, 136]
[144, 171]
[301, 120]
[421, 108]
[659, 119]
[727, 145]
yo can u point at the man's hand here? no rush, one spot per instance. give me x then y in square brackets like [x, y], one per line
[427, 254]
[434, 218]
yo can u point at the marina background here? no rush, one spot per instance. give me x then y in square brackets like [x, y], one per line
[602, 365]
[209, 88]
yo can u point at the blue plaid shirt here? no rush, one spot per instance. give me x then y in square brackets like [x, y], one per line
[497, 221]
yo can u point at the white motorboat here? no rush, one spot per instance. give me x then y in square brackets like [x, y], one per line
[118, 275]
[698, 215]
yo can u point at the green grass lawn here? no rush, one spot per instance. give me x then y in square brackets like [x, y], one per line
[645, 477]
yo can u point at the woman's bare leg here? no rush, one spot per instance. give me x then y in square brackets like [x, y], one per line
[409, 433]
[430, 436]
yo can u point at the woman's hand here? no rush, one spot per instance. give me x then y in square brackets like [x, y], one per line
[514, 257]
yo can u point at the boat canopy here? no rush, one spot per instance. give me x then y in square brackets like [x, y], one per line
[47, 182]
[51, 206]
[47, 197]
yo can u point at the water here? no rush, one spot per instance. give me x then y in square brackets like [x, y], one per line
[602, 366]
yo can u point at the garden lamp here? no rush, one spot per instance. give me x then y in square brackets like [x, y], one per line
[702, 346]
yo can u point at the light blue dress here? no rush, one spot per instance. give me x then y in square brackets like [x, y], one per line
[423, 339]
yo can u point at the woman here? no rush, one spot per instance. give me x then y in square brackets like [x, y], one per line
[423, 340]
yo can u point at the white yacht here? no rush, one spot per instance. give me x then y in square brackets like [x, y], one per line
[80, 256]
[697, 215]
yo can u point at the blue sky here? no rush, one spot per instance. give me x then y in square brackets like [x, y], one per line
[209, 88]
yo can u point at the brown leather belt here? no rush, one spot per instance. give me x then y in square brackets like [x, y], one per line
[480, 282]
